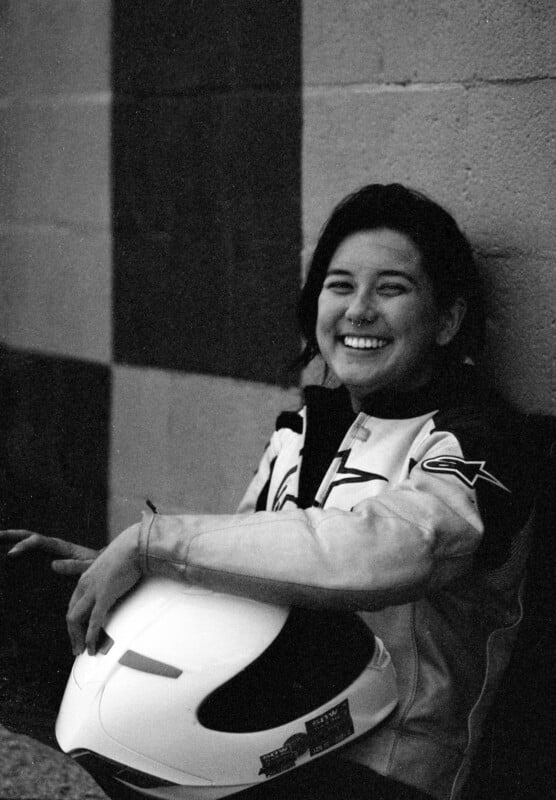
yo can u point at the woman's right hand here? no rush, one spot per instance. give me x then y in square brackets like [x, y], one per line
[69, 558]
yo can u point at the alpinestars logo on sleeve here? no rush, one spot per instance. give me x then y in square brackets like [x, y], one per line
[469, 472]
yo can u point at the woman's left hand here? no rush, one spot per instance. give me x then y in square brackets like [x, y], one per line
[116, 570]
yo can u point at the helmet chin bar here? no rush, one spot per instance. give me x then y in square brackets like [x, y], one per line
[200, 695]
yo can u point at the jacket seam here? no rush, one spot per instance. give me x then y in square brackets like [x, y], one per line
[481, 693]
[273, 581]
[414, 684]
[314, 529]
[427, 530]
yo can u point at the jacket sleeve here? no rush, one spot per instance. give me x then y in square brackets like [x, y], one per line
[387, 549]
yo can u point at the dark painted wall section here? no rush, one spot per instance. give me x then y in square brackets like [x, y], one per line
[54, 446]
[206, 185]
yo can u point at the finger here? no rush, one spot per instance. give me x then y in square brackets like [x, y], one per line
[77, 615]
[30, 541]
[36, 541]
[70, 566]
[96, 621]
[13, 536]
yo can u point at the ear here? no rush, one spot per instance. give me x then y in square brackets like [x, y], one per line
[450, 322]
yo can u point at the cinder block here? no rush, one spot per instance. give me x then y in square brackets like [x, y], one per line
[187, 442]
[56, 290]
[522, 303]
[140, 409]
[56, 163]
[175, 47]
[353, 137]
[123, 511]
[217, 438]
[437, 41]
[55, 47]
[342, 41]
[510, 149]
[206, 205]
[442, 40]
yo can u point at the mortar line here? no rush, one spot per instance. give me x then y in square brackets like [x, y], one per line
[420, 86]
[32, 228]
[56, 100]
[379, 88]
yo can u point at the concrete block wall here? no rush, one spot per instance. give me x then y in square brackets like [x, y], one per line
[163, 168]
[206, 139]
[55, 263]
[55, 299]
[456, 99]
[55, 198]
[150, 250]
[165, 165]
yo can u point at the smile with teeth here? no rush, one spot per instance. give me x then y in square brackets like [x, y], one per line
[364, 342]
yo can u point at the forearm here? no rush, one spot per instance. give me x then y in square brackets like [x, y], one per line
[367, 558]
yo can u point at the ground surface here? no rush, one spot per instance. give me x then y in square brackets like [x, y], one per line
[32, 771]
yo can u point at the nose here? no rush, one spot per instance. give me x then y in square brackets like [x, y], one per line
[361, 307]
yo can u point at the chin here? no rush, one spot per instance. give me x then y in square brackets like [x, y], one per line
[360, 390]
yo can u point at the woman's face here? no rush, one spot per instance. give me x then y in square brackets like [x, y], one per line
[378, 325]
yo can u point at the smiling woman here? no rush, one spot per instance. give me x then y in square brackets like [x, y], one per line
[413, 236]
[376, 284]
[404, 494]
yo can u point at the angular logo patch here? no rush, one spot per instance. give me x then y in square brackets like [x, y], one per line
[468, 472]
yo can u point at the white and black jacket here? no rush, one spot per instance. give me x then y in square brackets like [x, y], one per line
[414, 512]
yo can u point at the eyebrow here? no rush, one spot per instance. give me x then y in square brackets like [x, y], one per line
[383, 273]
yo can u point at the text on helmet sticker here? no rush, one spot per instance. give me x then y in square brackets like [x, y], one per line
[329, 728]
[322, 732]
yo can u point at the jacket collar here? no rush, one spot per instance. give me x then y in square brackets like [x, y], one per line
[450, 386]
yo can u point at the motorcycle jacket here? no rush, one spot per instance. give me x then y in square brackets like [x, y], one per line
[416, 512]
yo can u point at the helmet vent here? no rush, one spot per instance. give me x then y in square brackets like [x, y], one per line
[143, 663]
[315, 657]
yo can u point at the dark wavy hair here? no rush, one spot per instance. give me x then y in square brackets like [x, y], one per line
[446, 256]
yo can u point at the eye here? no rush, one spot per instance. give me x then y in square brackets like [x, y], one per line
[338, 285]
[392, 289]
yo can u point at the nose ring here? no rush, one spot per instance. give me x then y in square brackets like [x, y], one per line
[358, 322]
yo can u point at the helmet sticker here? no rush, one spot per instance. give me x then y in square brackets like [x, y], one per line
[323, 732]
[277, 761]
[329, 728]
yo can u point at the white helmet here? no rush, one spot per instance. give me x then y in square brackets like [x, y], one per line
[194, 694]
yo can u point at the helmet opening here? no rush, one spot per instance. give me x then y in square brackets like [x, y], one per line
[315, 656]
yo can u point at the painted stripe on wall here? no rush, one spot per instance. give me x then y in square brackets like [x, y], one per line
[206, 186]
[54, 446]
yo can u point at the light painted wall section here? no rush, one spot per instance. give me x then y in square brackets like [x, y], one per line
[457, 99]
[189, 443]
[55, 196]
